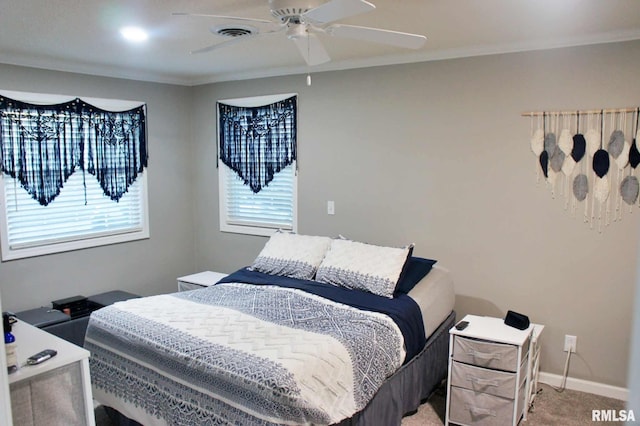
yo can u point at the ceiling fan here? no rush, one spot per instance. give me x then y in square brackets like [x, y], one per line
[302, 20]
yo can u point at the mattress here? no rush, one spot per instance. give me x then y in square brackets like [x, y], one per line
[435, 294]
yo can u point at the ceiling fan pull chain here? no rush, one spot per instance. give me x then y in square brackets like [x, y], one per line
[308, 56]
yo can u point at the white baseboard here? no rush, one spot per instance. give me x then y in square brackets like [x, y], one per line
[585, 386]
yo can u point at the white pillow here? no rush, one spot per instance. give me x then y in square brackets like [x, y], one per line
[292, 255]
[361, 266]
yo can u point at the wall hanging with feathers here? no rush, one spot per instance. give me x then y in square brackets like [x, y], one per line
[590, 159]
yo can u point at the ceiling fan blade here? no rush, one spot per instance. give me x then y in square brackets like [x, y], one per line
[227, 43]
[377, 35]
[335, 10]
[234, 18]
[311, 49]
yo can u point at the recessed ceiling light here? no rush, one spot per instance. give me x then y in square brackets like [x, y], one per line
[134, 34]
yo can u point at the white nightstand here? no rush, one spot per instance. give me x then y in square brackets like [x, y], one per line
[58, 391]
[492, 372]
[199, 280]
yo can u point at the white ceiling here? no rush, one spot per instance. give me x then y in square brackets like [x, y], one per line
[83, 35]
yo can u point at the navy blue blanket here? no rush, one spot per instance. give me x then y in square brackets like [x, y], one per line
[402, 309]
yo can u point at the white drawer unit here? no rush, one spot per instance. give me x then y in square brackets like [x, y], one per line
[490, 372]
[199, 280]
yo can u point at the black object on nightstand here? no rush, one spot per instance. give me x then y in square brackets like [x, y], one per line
[462, 325]
[75, 306]
[517, 320]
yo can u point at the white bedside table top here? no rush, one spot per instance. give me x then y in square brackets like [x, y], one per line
[491, 328]
[32, 340]
[205, 278]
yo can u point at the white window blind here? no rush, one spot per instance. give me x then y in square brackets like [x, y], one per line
[68, 223]
[272, 208]
[68, 217]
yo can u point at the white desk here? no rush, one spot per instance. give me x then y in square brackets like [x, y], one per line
[55, 392]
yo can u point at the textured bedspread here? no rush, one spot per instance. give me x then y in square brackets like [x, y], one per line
[242, 354]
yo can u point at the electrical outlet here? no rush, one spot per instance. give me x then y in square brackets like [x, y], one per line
[570, 343]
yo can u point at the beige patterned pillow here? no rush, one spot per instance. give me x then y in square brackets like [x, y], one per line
[362, 266]
[292, 255]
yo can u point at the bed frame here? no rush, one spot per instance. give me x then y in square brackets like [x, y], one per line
[400, 395]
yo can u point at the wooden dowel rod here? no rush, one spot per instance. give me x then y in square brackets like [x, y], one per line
[576, 112]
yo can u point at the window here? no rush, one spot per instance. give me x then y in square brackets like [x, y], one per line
[80, 215]
[257, 189]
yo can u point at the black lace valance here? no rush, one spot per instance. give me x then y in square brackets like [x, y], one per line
[258, 142]
[42, 145]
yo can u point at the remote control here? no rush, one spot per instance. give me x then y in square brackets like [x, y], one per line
[462, 325]
[41, 356]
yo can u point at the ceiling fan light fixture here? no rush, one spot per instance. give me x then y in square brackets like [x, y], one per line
[296, 31]
[234, 30]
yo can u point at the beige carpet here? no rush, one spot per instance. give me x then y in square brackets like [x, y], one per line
[567, 408]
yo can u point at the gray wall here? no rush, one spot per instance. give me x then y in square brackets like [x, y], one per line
[143, 267]
[438, 154]
[434, 153]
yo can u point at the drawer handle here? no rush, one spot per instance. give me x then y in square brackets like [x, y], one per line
[482, 382]
[479, 411]
[484, 355]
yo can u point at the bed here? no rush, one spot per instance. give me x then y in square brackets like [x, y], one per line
[280, 342]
